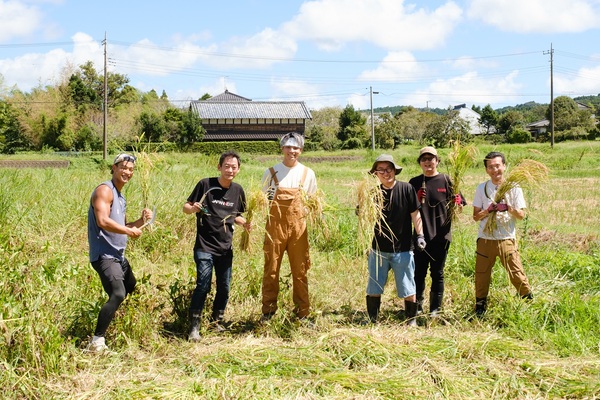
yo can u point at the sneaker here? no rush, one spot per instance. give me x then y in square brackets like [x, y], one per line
[218, 326]
[194, 335]
[98, 345]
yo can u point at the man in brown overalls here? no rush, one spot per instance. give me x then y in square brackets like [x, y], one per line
[286, 226]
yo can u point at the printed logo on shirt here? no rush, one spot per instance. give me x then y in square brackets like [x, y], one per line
[441, 190]
[223, 203]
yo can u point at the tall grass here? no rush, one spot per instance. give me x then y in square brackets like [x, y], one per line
[50, 295]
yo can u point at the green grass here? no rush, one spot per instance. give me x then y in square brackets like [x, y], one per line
[50, 296]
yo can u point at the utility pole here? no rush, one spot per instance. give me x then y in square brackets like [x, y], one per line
[551, 96]
[372, 120]
[105, 105]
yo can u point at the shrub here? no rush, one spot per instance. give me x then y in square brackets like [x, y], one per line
[518, 135]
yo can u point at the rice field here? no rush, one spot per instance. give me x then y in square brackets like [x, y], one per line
[50, 296]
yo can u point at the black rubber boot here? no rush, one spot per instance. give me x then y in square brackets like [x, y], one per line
[373, 305]
[217, 320]
[436, 299]
[528, 296]
[410, 312]
[420, 304]
[194, 335]
[480, 306]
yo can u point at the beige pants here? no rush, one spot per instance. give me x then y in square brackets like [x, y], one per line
[507, 251]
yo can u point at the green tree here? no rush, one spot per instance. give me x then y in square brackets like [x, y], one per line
[509, 120]
[352, 124]
[323, 128]
[56, 133]
[567, 115]
[152, 126]
[443, 130]
[11, 136]
[488, 119]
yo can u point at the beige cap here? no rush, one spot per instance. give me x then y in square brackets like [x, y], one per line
[427, 150]
[386, 158]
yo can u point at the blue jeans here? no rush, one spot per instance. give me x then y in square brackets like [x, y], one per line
[403, 265]
[205, 263]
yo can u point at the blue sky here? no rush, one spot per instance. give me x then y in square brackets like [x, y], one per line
[324, 52]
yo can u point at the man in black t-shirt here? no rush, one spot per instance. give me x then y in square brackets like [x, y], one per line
[218, 204]
[392, 247]
[435, 193]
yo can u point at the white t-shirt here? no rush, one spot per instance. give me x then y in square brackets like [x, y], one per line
[290, 178]
[505, 222]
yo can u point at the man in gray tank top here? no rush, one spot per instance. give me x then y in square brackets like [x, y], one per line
[108, 231]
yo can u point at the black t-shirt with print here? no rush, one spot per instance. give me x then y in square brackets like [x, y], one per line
[215, 230]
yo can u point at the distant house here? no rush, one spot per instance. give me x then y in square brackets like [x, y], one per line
[229, 116]
[538, 128]
[472, 117]
[542, 126]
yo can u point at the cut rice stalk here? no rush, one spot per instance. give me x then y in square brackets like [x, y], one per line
[527, 174]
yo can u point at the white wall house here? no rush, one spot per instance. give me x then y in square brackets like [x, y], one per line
[472, 117]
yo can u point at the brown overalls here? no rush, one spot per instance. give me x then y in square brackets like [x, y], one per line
[286, 230]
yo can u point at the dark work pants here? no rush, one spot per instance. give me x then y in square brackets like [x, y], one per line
[432, 259]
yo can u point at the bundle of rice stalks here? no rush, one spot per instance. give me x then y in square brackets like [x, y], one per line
[315, 206]
[527, 174]
[369, 209]
[460, 159]
[144, 166]
[257, 206]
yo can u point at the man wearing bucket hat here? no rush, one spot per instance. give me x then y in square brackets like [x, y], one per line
[108, 232]
[392, 246]
[435, 192]
[286, 226]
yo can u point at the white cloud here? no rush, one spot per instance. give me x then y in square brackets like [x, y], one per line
[258, 51]
[286, 88]
[359, 102]
[586, 82]
[389, 24]
[33, 69]
[398, 66]
[538, 16]
[469, 88]
[18, 19]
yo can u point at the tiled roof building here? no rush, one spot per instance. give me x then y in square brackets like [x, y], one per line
[229, 116]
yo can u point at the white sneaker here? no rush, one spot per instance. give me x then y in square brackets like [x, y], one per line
[98, 345]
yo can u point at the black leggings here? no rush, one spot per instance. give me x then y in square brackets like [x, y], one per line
[117, 285]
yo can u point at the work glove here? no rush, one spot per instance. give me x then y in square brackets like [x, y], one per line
[421, 242]
[501, 207]
[492, 207]
[458, 199]
[421, 193]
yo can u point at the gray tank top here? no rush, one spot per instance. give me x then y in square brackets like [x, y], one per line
[104, 244]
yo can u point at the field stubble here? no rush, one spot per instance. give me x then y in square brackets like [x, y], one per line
[545, 349]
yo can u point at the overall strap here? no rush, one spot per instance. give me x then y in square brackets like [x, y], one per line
[303, 177]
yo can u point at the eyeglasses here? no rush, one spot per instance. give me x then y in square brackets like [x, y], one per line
[383, 171]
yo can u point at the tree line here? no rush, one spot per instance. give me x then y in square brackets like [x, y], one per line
[69, 116]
